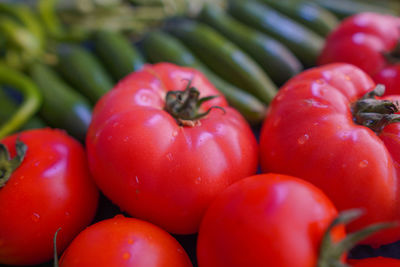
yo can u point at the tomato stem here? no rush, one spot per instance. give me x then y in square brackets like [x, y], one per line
[8, 164]
[55, 256]
[375, 113]
[332, 252]
[184, 105]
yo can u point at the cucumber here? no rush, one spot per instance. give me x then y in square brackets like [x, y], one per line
[225, 58]
[277, 61]
[83, 71]
[162, 47]
[314, 17]
[345, 8]
[304, 43]
[119, 56]
[62, 107]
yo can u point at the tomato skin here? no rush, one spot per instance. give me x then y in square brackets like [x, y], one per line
[123, 242]
[310, 133]
[266, 220]
[362, 40]
[375, 262]
[155, 169]
[52, 188]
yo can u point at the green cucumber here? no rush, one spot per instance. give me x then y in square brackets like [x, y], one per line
[345, 8]
[162, 47]
[225, 58]
[277, 61]
[304, 43]
[314, 17]
[119, 56]
[62, 107]
[83, 71]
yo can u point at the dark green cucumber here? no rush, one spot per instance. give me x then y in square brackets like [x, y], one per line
[62, 107]
[345, 8]
[117, 53]
[304, 43]
[9, 106]
[277, 61]
[314, 17]
[83, 71]
[225, 58]
[162, 47]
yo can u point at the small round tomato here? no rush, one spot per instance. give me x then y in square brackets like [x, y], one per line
[47, 188]
[375, 262]
[123, 242]
[161, 152]
[266, 220]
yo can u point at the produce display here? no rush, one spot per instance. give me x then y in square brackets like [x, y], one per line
[199, 133]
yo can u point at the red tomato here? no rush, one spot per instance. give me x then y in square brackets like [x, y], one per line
[363, 40]
[310, 132]
[266, 220]
[152, 167]
[52, 188]
[375, 262]
[124, 242]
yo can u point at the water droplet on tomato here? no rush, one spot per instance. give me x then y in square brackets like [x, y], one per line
[363, 163]
[67, 213]
[137, 179]
[35, 217]
[126, 255]
[174, 133]
[198, 180]
[169, 156]
[302, 139]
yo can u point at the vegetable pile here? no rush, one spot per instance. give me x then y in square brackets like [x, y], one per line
[199, 133]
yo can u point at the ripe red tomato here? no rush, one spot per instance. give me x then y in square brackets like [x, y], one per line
[124, 242]
[161, 169]
[312, 131]
[375, 262]
[371, 42]
[51, 188]
[266, 220]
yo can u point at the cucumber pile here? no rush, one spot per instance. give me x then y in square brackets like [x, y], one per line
[247, 49]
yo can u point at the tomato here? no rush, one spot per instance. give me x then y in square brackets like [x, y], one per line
[162, 169]
[50, 189]
[375, 262]
[123, 242]
[371, 42]
[266, 220]
[313, 132]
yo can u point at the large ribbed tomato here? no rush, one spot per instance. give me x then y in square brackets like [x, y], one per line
[324, 127]
[167, 168]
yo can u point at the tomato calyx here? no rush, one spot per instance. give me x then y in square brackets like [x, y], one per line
[375, 113]
[184, 105]
[8, 164]
[393, 56]
[331, 252]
